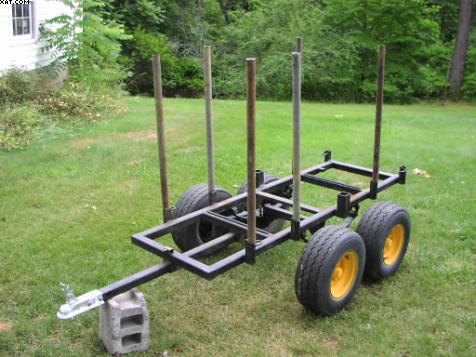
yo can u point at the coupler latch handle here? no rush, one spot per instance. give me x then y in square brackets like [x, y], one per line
[76, 305]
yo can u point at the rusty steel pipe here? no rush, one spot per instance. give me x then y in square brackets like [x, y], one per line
[299, 44]
[251, 136]
[296, 136]
[159, 110]
[378, 120]
[207, 70]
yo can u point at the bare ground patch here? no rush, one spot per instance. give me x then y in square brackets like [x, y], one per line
[145, 135]
[82, 143]
[139, 135]
[5, 326]
[332, 343]
[132, 135]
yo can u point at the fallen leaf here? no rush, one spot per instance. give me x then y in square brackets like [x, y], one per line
[417, 171]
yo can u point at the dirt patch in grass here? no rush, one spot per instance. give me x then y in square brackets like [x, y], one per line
[187, 149]
[83, 142]
[139, 135]
[332, 343]
[5, 326]
[277, 350]
[132, 135]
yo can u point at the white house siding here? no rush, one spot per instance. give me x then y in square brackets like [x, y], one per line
[25, 51]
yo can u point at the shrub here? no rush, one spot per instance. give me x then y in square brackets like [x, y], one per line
[17, 125]
[87, 44]
[141, 48]
[181, 76]
[29, 105]
[77, 103]
[17, 86]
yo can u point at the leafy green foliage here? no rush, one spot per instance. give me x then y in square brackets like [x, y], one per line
[447, 17]
[147, 22]
[327, 58]
[17, 125]
[468, 91]
[341, 38]
[142, 47]
[144, 14]
[18, 87]
[77, 102]
[29, 105]
[181, 76]
[86, 43]
[410, 34]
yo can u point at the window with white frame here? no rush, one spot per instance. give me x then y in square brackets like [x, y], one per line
[22, 19]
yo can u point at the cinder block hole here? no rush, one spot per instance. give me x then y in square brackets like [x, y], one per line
[131, 339]
[133, 320]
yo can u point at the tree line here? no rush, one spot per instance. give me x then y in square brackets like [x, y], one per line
[431, 46]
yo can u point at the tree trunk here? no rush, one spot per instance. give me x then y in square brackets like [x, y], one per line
[225, 12]
[461, 49]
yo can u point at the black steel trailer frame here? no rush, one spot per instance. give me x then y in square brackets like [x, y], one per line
[237, 215]
[267, 200]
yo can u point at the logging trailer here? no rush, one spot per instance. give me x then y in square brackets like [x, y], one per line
[207, 218]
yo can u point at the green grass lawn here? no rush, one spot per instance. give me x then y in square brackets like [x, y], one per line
[70, 202]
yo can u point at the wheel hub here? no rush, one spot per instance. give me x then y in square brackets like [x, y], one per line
[343, 276]
[394, 244]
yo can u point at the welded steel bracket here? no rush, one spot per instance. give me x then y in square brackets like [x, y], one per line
[353, 213]
[77, 305]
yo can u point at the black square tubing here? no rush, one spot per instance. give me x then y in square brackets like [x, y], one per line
[250, 244]
[145, 239]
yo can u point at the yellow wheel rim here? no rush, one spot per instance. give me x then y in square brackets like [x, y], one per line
[343, 276]
[394, 244]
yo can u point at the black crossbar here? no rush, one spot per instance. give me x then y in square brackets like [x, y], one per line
[279, 212]
[166, 267]
[335, 185]
[278, 199]
[232, 224]
[188, 259]
[357, 169]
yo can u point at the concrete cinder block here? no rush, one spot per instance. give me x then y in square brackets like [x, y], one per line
[124, 323]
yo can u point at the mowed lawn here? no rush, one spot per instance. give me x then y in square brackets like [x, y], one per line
[70, 202]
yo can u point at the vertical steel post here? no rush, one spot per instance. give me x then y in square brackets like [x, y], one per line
[378, 121]
[159, 110]
[251, 135]
[299, 43]
[295, 224]
[207, 69]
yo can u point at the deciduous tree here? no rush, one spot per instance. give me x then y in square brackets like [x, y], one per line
[461, 48]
